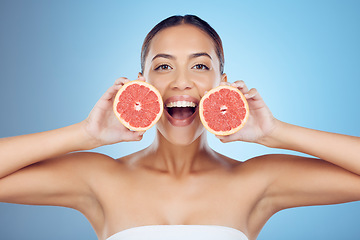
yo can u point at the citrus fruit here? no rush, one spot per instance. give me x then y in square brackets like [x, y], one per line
[223, 110]
[138, 105]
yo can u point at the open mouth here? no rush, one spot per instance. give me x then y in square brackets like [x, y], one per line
[181, 110]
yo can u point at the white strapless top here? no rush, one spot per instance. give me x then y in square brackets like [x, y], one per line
[179, 232]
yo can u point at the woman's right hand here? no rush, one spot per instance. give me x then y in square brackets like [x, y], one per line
[102, 127]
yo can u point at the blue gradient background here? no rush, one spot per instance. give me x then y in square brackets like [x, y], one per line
[58, 57]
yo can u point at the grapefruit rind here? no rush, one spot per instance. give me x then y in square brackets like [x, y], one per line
[201, 110]
[126, 123]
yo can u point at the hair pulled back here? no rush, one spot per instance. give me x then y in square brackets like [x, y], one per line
[180, 20]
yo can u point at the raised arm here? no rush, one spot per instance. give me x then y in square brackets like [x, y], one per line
[21, 151]
[41, 168]
[338, 149]
[332, 177]
[263, 128]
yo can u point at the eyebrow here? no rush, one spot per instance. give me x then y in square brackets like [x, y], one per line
[163, 55]
[195, 55]
[168, 56]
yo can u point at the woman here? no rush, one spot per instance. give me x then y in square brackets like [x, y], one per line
[179, 187]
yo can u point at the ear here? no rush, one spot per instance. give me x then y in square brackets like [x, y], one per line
[140, 75]
[224, 77]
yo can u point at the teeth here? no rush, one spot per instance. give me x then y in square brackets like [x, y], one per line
[180, 104]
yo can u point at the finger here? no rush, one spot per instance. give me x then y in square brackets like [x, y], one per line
[240, 84]
[253, 94]
[110, 93]
[224, 84]
[130, 135]
[138, 135]
[226, 139]
[121, 81]
[141, 79]
[141, 133]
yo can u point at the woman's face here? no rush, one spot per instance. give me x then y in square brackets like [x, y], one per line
[182, 64]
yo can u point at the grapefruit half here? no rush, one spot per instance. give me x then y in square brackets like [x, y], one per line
[223, 110]
[138, 105]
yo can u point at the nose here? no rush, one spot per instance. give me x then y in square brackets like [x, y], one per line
[182, 82]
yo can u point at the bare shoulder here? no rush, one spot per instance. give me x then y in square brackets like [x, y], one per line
[261, 164]
[275, 167]
[98, 169]
[275, 163]
[294, 181]
[82, 160]
[65, 180]
[270, 170]
[84, 168]
[270, 163]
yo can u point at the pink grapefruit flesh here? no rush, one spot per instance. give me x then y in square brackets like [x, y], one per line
[223, 110]
[138, 105]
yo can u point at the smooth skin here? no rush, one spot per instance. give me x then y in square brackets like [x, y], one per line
[179, 179]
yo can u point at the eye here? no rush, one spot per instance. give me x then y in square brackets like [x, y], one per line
[163, 67]
[200, 67]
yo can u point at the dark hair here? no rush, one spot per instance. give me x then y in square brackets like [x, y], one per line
[179, 20]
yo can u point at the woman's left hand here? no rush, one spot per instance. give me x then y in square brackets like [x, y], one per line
[260, 123]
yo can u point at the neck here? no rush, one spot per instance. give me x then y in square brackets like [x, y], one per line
[180, 160]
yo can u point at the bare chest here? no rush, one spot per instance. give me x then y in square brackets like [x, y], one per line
[159, 200]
